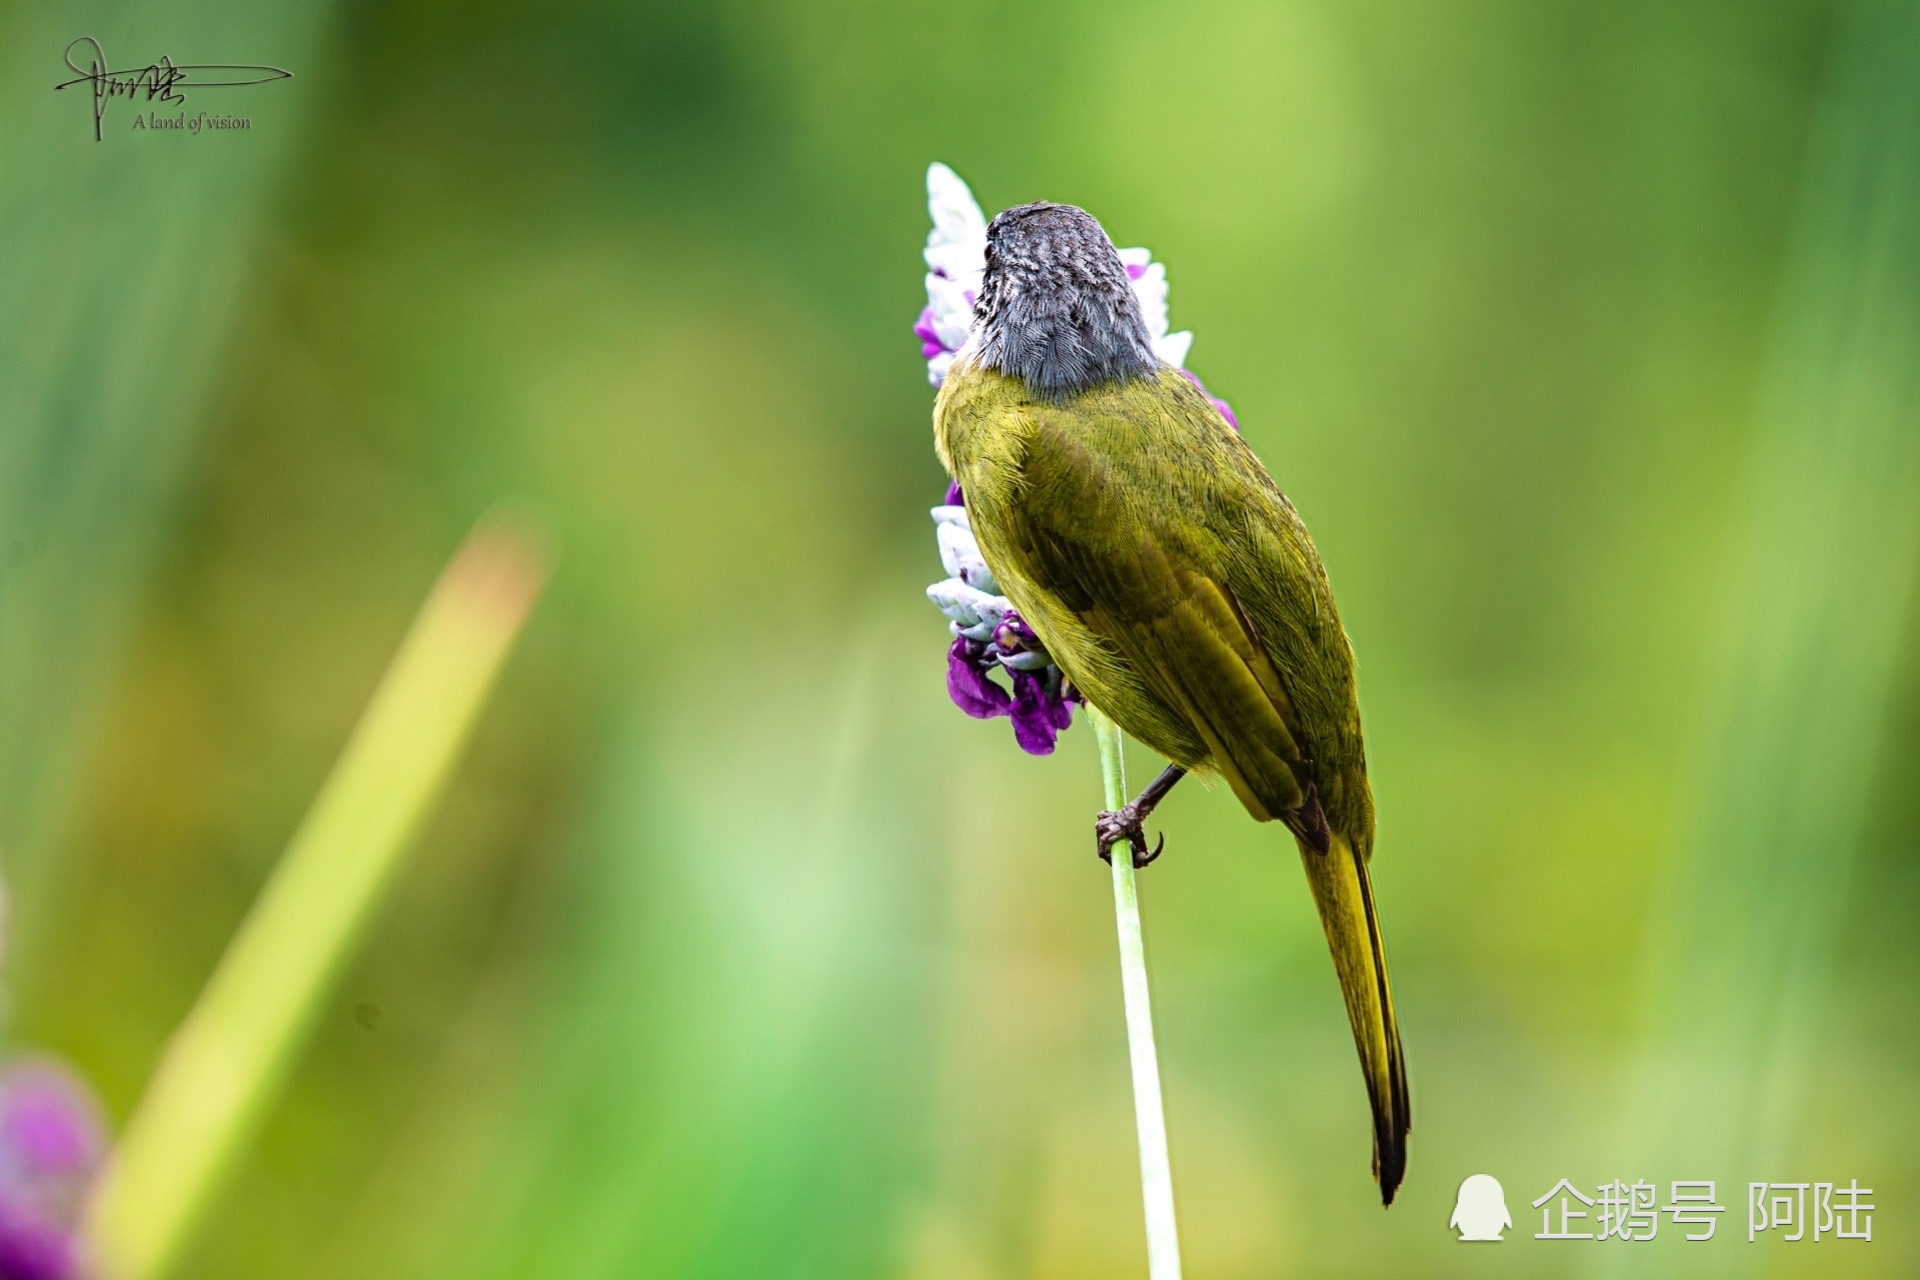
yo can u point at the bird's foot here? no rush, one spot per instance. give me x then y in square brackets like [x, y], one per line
[1112, 826]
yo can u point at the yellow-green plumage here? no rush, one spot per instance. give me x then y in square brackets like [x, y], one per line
[1177, 588]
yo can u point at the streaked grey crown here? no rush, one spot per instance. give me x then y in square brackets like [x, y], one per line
[1056, 308]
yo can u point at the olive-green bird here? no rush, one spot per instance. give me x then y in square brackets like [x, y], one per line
[1172, 582]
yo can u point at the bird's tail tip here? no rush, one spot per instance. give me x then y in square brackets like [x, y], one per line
[1343, 892]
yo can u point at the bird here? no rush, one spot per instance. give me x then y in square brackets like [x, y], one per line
[1172, 582]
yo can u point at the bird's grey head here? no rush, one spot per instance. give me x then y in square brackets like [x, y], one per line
[1056, 308]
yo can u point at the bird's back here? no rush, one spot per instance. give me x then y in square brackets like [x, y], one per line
[1170, 578]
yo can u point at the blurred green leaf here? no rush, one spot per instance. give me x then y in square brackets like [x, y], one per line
[226, 1063]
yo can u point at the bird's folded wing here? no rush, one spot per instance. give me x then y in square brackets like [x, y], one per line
[1102, 547]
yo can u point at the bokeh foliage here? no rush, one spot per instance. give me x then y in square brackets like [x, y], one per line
[736, 951]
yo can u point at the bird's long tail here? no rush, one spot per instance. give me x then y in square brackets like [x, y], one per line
[1344, 894]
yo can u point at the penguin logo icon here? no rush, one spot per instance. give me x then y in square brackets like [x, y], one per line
[1480, 1210]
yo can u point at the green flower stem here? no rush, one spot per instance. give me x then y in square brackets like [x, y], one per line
[228, 1058]
[1156, 1175]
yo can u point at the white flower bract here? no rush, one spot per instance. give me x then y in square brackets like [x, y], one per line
[969, 596]
[974, 613]
[961, 556]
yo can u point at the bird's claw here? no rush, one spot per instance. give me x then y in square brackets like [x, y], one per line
[1114, 825]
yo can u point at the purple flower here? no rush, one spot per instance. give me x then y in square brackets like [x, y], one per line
[1013, 635]
[967, 684]
[34, 1249]
[51, 1146]
[929, 338]
[1039, 710]
[989, 637]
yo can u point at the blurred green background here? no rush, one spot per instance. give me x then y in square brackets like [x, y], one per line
[735, 950]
